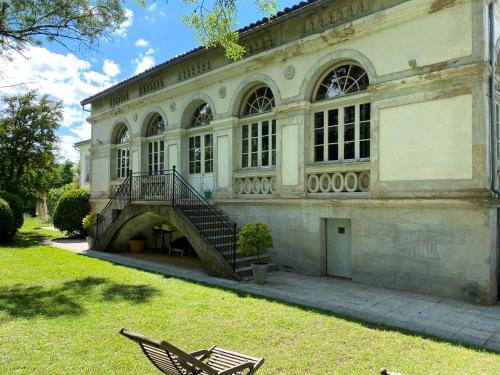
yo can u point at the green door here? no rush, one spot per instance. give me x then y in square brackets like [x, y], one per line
[338, 248]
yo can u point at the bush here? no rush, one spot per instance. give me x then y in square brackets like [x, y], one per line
[255, 239]
[72, 207]
[54, 195]
[7, 222]
[16, 205]
[90, 221]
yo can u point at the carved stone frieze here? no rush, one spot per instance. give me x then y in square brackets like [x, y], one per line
[335, 14]
[194, 69]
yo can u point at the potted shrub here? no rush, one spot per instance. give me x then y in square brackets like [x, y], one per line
[137, 243]
[89, 222]
[255, 239]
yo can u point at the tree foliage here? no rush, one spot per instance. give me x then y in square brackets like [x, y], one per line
[67, 22]
[28, 142]
[255, 239]
[215, 23]
[55, 194]
[6, 221]
[72, 207]
[16, 205]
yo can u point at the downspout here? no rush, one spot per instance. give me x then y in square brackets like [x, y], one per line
[493, 135]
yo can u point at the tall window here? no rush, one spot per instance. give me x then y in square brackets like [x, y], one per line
[342, 127]
[258, 134]
[156, 146]
[122, 151]
[201, 145]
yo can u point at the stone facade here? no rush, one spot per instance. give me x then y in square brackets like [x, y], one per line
[421, 207]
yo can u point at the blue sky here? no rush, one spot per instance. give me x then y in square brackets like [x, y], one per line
[150, 36]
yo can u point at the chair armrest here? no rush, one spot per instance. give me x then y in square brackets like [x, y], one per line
[200, 354]
[238, 368]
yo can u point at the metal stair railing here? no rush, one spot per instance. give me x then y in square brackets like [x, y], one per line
[218, 230]
[170, 187]
[119, 200]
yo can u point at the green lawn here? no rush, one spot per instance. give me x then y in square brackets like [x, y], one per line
[60, 313]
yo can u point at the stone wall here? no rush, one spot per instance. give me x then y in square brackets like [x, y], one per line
[428, 247]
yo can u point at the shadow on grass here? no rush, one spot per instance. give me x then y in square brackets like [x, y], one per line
[69, 298]
[25, 239]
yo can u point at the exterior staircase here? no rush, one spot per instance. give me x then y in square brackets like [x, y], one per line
[215, 233]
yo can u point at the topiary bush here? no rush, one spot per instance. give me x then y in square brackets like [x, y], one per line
[255, 239]
[53, 197]
[89, 222]
[7, 223]
[17, 207]
[72, 207]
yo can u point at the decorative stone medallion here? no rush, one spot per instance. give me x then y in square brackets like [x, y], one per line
[172, 106]
[289, 72]
[222, 92]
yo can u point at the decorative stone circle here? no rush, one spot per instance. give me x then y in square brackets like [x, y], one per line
[313, 183]
[338, 182]
[289, 72]
[265, 185]
[247, 186]
[364, 181]
[172, 106]
[325, 182]
[351, 182]
[222, 92]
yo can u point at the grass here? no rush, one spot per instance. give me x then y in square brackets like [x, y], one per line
[60, 313]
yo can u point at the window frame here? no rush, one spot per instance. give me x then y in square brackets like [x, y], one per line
[203, 148]
[339, 103]
[122, 171]
[160, 162]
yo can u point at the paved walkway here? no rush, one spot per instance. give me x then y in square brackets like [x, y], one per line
[444, 318]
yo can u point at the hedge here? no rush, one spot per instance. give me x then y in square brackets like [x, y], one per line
[7, 223]
[17, 206]
[72, 207]
[54, 195]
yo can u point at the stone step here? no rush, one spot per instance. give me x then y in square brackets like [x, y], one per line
[246, 272]
[245, 261]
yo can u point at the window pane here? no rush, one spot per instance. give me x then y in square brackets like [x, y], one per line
[333, 151]
[364, 149]
[318, 153]
[364, 130]
[349, 115]
[365, 112]
[244, 160]
[349, 150]
[245, 131]
[273, 142]
[333, 117]
[318, 120]
[255, 160]
[348, 133]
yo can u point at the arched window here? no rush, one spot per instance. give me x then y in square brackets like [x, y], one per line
[156, 126]
[258, 134]
[343, 80]
[202, 116]
[201, 147]
[122, 151]
[156, 147]
[341, 125]
[261, 100]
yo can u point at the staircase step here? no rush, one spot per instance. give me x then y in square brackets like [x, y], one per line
[245, 261]
[246, 272]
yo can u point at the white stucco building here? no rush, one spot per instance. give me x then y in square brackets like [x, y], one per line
[361, 131]
[83, 148]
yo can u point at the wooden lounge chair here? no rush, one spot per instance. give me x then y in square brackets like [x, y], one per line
[214, 361]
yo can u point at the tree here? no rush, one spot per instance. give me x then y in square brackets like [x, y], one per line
[216, 24]
[67, 22]
[28, 142]
[84, 22]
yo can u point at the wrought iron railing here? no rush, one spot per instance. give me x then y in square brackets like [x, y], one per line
[170, 187]
[119, 200]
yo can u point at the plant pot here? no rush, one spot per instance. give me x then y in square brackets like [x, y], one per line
[137, 246]
[259, 272]
[90, 242]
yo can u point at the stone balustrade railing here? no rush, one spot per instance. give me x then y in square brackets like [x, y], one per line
[338, 182]
[255, 185]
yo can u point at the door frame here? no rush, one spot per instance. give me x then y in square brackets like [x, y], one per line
[324, 244]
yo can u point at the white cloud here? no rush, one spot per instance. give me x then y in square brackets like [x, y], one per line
[122, 30]
[63, 77]
[141, 43]
[151, 7]
[144, 61]
[110, 68]
[67, 149]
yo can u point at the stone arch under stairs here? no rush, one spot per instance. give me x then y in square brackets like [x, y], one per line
[122, 229]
